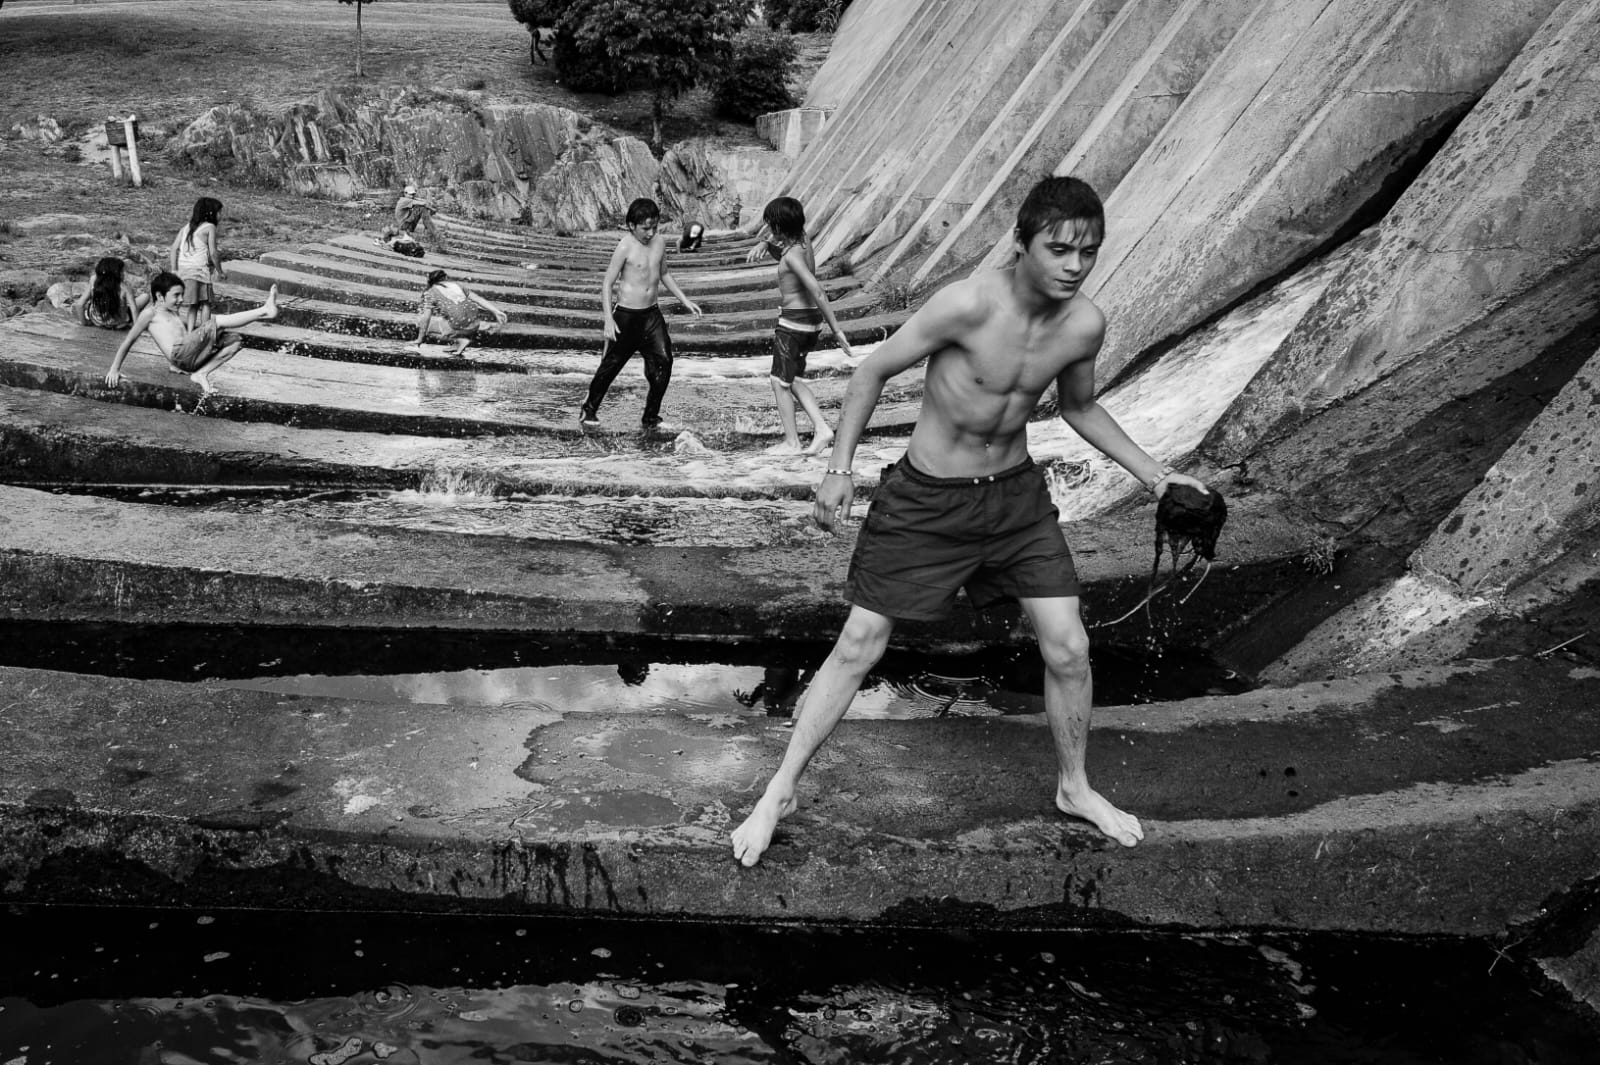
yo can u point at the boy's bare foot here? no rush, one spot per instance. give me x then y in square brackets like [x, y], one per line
[271, 306]
[821, 441]
[175, 369]
[1093, 808]
[751, 839]
[203, 379]
[461, 349]
[785, 448]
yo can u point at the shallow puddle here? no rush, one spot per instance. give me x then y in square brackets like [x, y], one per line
[610, 674]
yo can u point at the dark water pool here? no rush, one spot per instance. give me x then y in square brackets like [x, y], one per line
[605, 673]
[174, 987]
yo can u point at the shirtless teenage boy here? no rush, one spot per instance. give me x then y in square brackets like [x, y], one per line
[638, 268]
[966, 506]
[198, 352]
[803, 309]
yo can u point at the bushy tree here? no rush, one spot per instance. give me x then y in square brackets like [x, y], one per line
[804, 16]
[359, 4]
[669, 46]
[755, 77]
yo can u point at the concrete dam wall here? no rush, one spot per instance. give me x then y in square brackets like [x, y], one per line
[1236, 142]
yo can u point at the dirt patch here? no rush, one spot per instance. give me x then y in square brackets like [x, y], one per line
[78, 62]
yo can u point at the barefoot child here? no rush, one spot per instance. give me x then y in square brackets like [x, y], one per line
[966, 506]
[193, 257]
[198, 352]
[108, 302]
[803, 308]
[457, 310]
[638, 269]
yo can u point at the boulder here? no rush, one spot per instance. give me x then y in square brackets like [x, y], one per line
[548, 166]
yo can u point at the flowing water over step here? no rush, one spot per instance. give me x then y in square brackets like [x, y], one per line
[163, 986]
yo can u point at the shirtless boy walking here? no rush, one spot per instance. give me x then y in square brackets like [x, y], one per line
[638, 268]
[803, 309]
[966, 506]
[198, 352]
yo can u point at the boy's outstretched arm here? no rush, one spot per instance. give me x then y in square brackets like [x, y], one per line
[613, 271]
[499, 315]
[672, 287]
[796, 262]
[1080, 410]
[140, 324]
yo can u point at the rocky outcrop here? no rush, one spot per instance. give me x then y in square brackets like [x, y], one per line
[547, 166]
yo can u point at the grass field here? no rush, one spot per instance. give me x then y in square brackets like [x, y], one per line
[170, 60]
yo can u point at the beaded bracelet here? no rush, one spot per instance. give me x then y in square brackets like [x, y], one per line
[831, 472]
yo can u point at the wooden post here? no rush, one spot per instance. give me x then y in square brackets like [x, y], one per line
[131, 125]
[115, 134]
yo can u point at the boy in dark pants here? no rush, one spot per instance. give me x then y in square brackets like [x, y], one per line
[638, 269]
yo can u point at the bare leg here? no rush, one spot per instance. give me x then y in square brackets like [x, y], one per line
[1068, 696]
[821, 435]
[269, 309]
[202, 376]
[785, 400]
[860, 645]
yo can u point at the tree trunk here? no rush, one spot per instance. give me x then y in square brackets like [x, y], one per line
[359, 72]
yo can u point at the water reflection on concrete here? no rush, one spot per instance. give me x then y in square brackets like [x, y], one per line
[633, 686]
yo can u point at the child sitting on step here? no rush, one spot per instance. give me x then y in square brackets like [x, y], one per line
[108, 302]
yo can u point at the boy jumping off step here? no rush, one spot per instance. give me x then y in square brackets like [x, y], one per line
[966, 506]
[638, 269]
[198, 352]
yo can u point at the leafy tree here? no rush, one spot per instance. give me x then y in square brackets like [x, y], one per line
[668, 45]
[755, 79]
[536, 15]
[804, 16]
[359, 3]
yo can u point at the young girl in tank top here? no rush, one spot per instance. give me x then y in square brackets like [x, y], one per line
[195, 260]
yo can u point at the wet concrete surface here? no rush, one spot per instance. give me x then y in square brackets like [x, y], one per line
[49, 352]
[1454, 800]
[79, 557]
[1461, 799]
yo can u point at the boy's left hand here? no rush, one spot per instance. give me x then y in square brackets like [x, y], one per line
[692, 307]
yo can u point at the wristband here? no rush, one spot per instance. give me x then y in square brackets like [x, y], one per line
[1163, 475]
[831, 472]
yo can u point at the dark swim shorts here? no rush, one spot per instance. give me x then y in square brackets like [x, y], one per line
[926, 537]
[789, 350]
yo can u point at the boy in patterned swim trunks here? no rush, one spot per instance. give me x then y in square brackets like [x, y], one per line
[966, 507]
[803, 308]
[198, 352]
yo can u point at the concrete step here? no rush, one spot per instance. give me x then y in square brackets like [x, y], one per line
[1399, 803]
[266, 383]
[270, 568]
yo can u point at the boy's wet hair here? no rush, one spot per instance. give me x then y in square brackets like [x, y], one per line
[642, 210]
[786, 218]
[434, 277]
[1056, 200]
[164, 282]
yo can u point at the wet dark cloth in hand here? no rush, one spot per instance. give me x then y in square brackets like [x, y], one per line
[1191, 518]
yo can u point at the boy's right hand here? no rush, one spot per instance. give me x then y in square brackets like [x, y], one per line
[834, 496]
[113, 379]
[610, 328]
